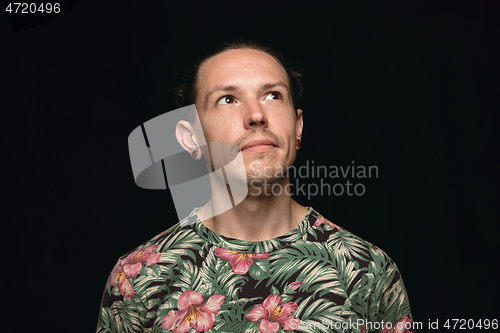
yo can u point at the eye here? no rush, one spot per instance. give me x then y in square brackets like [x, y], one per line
[226, 100]
[274, 95]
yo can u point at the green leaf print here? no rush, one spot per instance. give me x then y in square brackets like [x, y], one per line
[188, 276]
[343, 243]
[286, 298]
[235, 310]
[181, 243]
[231, 284]
[301, 257]
[104, 324]
[169, 304]
[237, 326]
[260, 269]
[218, 273]
[274, 290]
[127, 316]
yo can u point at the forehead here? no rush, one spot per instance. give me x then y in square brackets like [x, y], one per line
[240, 66]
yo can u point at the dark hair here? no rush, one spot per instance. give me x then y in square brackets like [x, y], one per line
[186, 93]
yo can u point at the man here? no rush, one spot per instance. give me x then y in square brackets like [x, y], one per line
[268, 264]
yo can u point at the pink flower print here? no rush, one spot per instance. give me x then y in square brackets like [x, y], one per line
[133, 262]
[118, 277]
[193, 313]
[239, 261]
[295, 285]
[399, 326]
[322, 220]
[272, 313]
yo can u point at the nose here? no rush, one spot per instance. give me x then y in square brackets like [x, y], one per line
[255, 115]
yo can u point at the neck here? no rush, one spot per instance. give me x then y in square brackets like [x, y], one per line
[260, 216]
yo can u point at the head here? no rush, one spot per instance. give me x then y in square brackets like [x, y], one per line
[186, 94]
[246, 94]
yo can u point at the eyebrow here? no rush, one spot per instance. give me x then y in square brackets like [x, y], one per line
[234, 88]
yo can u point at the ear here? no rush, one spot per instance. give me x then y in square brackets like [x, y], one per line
[184, 133]
[299, 123]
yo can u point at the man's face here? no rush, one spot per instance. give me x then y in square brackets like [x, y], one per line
[244, 98]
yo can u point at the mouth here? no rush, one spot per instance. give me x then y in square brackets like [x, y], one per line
[259, 145]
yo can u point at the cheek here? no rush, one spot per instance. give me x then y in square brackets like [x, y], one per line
[220, 130]
[286, 127]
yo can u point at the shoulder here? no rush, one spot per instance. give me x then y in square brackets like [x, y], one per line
[150, 251]
[154, 261]
[348, 246]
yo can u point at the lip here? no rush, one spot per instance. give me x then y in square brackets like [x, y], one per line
[258, 144]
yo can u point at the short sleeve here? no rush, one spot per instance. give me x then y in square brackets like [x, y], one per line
[394, 307]
[121, 310]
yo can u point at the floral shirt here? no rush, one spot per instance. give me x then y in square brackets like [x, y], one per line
[316, 278]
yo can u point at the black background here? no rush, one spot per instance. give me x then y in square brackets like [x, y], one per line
[411, 88]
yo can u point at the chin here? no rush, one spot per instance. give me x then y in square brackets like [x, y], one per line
[259, 174]
[262, 181]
